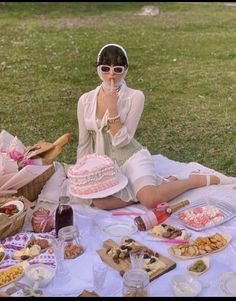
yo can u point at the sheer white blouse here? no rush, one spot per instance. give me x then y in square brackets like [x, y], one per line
[134, 160]
[130, 107]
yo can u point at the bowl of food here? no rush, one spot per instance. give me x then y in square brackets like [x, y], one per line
[12, 208]
[185, 285]
[199, 266]
[39, 275]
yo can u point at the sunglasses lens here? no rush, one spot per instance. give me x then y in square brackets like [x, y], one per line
[118, 69]
[105, 69]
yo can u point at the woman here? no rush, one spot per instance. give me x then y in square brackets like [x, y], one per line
[108, 117]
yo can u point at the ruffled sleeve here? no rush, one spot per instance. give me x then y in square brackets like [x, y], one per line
[130, 112]
[84, 146]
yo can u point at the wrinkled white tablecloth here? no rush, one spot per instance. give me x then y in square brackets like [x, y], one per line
[92, 238]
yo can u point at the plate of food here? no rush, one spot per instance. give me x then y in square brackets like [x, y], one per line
[118, 256]
[27, 247]
[12, 208]
[199, 266]
[167, 232]
[10, 274]
[201, 246]
[203, 215]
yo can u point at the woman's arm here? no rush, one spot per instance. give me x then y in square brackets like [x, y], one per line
[121, 134]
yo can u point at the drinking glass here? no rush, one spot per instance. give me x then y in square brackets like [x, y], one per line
[58, 246]
[99, 276]
[136, 258]
[62, 276]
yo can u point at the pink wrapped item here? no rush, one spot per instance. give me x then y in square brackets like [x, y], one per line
[15, 170]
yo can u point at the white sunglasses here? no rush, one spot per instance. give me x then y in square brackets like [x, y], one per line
[116, 69]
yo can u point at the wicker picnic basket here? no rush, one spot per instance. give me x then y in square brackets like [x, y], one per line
[13, 225]
[31, 190]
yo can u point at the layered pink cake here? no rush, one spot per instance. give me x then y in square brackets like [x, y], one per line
[91, 174]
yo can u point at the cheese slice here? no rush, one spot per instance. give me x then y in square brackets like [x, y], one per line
[154, 266]
[31, 252]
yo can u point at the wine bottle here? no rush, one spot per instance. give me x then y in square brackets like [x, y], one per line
[157, 215]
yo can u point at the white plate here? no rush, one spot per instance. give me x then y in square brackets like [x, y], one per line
[119, 229]
[227, 283]
[226, 236]
[19, 205]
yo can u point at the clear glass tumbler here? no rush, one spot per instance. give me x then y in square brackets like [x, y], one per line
[99, 276]
[136, 258]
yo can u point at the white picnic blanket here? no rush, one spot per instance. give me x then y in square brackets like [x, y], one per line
[92, 237]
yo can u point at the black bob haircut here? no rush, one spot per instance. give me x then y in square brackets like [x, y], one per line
[112, 55]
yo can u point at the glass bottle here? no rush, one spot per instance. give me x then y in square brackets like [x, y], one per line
[64, 214]
[136, 283]
[157, 215]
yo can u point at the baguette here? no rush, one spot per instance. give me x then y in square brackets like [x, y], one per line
[49, 156]
[64, 139]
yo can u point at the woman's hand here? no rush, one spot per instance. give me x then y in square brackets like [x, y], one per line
[111, 98]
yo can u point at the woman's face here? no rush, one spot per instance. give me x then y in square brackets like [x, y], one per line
[111, 72]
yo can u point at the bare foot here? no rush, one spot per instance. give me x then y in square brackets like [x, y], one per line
[201, 180]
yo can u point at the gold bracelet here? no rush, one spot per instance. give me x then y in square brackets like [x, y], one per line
[113, 119]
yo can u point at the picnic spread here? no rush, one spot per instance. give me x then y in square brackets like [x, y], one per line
[198, 240]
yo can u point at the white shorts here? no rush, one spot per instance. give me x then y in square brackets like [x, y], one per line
[140, 171]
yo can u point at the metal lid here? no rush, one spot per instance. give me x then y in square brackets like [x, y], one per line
[69, 233]
[64, 199]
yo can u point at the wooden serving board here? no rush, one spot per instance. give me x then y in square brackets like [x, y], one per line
[125, 264]
[86, 293]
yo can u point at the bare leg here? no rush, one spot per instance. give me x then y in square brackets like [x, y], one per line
[110, 203]
[150, 196]
[172, 178]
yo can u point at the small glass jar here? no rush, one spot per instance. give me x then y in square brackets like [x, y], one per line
[136, 283]
[42, 220]
[71, 237]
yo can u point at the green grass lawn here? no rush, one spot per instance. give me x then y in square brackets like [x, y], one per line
[184, 60]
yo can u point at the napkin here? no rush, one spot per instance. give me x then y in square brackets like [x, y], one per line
[55, 186]
[24, 176]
